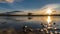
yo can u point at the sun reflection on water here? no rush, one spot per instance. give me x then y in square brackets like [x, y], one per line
[49, 20]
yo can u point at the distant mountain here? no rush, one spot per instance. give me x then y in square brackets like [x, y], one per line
[16, 13]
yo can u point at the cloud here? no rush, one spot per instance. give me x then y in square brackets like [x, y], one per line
[6, 1]
[10, 1]
[44, 9]
[52, 6]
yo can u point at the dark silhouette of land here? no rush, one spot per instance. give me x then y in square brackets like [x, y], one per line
[29, 15]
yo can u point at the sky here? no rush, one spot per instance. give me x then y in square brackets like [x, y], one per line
[29, 5]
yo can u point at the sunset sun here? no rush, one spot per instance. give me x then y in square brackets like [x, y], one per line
[49, 11]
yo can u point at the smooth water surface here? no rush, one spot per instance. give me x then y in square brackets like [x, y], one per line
[32, 21]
